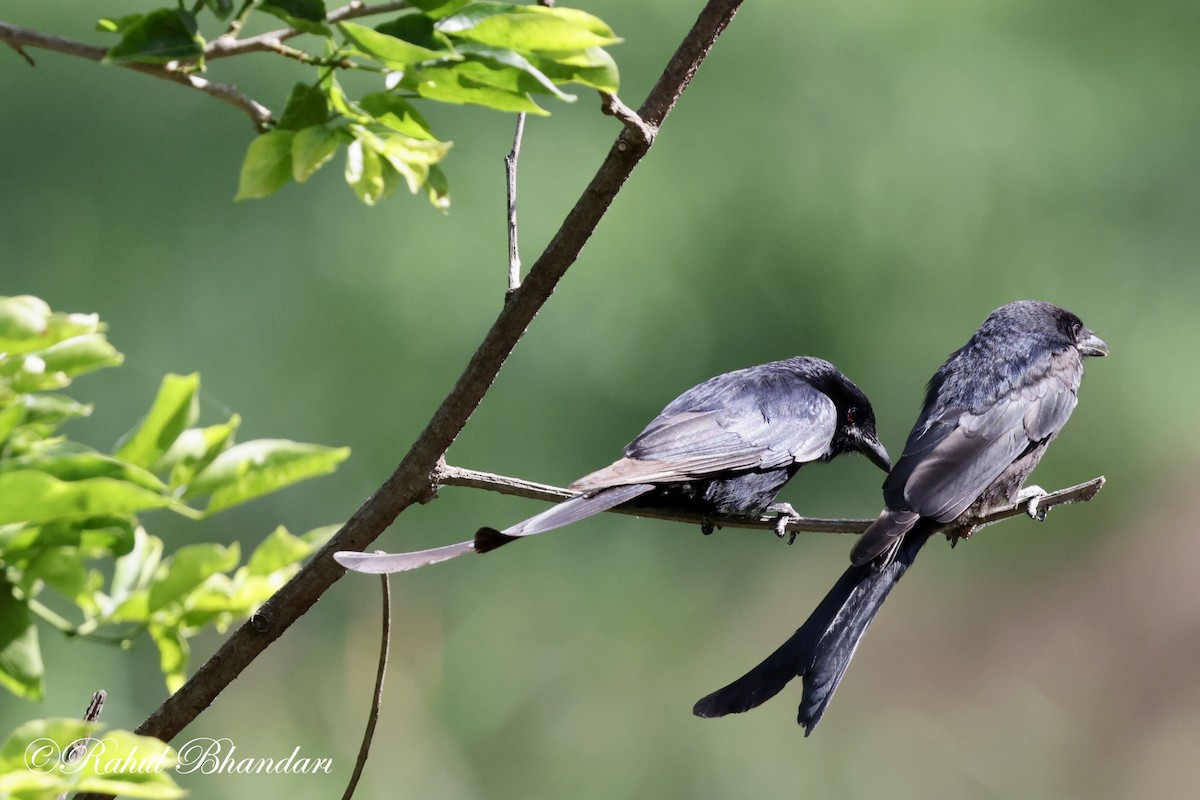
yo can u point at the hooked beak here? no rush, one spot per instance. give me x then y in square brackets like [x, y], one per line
[871, 447]
[1092, 345]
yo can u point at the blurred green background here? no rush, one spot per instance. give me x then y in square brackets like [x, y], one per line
[859, 180]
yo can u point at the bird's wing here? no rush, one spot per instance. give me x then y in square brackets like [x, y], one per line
[956, 462]
[955, 453]
[766, 421]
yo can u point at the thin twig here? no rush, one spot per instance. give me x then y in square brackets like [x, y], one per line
[411, 482]
[377, 698]
[17, 36]
[457, 476]
[228, 45]
[510, 171]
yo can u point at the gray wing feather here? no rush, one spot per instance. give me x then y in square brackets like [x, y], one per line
[718, 432]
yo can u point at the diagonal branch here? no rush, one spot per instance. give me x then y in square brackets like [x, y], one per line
[414, 479]
[457, 476]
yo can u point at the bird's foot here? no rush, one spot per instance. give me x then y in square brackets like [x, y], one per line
[784, 514]
[1032, 496]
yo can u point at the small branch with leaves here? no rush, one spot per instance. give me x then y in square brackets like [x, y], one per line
[496, 55]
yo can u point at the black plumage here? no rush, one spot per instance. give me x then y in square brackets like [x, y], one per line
[990, 412]
[724, 447]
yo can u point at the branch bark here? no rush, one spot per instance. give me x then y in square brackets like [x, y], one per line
[415, 478]
[518, 487]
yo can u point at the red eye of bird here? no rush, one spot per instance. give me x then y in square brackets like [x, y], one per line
[852, 416]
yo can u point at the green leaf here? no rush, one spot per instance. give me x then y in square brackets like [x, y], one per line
[438, 188]
[175, 408]
[268, 165]
[173, 652]
[252, 469]
[364, 172]
[53, 409]
[397, 114]
[221, 9]
[528, 28]
[452, 86]
[416, 29]
[28, 325]
[62, 568]
[114, 762]
[305, 15]
[280, 549]
[166, 34]
[500, 57]
[21, 669]
[10, 418]
[79, 354]
[189, 567]
[436, 9]
[195, 449]
[72, 462]
[311, 149]
[412, 158]
[36, 497]
[593, 67]
[306, 106]
[135, 570]
[388, 50]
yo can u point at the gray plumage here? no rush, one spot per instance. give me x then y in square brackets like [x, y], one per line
[722, 448]
[990, 412]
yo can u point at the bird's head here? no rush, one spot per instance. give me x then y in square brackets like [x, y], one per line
[855, 429]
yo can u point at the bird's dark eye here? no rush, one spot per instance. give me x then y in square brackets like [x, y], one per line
[852, 416]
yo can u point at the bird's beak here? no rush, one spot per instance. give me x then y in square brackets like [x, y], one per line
[871, 447]
[1092, 345]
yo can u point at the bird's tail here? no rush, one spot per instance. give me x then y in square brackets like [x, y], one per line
[821, 649]
[487, 539]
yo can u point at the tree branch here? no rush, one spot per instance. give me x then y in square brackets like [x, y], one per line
[18, 37]
[414, 479]
[510, 173]
[457, 476]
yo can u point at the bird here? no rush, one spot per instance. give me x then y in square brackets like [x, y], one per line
[990, 412]
[724, 447]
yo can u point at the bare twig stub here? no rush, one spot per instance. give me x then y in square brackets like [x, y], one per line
[510, 172]
[410, 482]
[457, 476]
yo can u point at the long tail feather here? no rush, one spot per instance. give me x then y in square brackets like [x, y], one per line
[488, 539]
[821, 649]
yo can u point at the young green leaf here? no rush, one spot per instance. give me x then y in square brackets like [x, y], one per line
[35, 497]
[397, 114]
[388, 50]
[175, 408]
[364, 172]
[252, 469]
[166, 34]
[437, 9]
[499, 57]
[195, 449]
[311, 149]
[68, 461]
[452, 86]
[21, 669]
[268, 165]
[173, 652]
[528, 28]
[438, 188]
[416, 29]
[593, 67]
[79, 354]
[189, 567]
[306, 106]
[304, 15]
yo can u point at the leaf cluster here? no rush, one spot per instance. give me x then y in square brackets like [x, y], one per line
[464, 52]
[66, 509]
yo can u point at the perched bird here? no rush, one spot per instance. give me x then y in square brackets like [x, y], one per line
[722, 448]
[990, 412]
